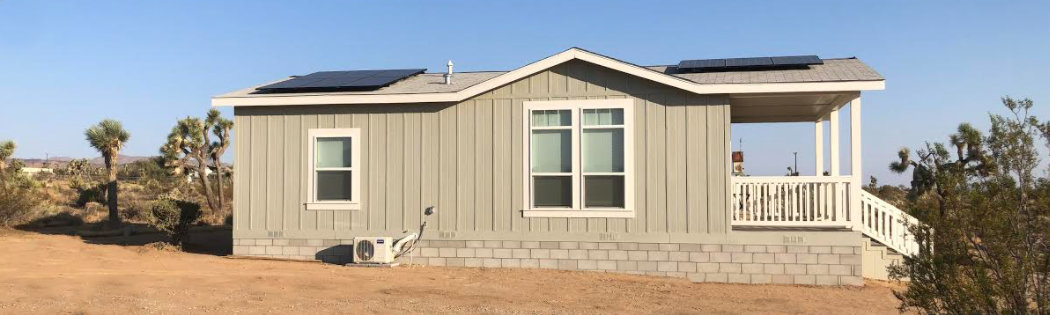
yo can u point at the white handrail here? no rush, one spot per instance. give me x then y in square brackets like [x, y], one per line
[887, 224]
[791, 179]
[791, 201]
[819, 201]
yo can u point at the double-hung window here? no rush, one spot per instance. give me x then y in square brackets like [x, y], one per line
[578, 158]
[334, 169]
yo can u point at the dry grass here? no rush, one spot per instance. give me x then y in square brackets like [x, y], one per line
[59, 198]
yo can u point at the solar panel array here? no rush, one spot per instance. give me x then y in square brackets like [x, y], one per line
[755, 63]
[332, 81]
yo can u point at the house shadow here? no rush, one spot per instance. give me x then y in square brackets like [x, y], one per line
[338, 254]
[202, 239]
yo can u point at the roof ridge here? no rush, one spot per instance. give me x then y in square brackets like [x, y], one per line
[477, 71]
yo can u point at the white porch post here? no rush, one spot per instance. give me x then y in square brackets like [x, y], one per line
[818, 138]
[833, 123]
[855, 163]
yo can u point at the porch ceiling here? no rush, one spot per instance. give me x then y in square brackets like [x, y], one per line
[785, 107]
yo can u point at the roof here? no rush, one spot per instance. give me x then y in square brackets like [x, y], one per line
[422, 83]
[847, 74]
[833, 70]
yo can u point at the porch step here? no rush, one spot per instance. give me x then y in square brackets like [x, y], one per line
[877, 258]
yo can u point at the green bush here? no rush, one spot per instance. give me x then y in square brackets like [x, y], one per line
[20, 180]
[17, 204]
[96, 193]
[173, 217]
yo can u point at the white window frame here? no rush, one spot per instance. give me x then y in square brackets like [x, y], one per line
[576, 108]
[355, 169]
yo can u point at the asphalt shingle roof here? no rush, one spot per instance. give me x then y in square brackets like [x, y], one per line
[833, 70]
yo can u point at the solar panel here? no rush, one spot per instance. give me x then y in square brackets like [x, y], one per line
[743, 64]
[354, 80]
[797, 60]
[705, 63]
[748, 62]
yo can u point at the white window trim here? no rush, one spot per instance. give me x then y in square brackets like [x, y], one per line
[576, 107]
[355, 169]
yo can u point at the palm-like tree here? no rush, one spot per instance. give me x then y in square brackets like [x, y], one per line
[108, 137]
[187, 150]
[7, 148]
[221, 128]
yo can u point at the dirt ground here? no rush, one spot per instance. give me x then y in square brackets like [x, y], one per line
[49, 274]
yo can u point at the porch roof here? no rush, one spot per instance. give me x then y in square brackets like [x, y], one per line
[833, 70]
[786, 107]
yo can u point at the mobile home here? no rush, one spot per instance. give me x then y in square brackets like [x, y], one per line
[578, 161]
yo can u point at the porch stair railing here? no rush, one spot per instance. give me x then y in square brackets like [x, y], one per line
[820, 202]
[886, 224]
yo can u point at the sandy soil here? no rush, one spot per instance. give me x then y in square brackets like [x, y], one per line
[64, 274]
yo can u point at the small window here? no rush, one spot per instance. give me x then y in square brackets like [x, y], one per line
[578, 154]
[334, 169]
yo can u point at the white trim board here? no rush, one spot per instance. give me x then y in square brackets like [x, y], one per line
[356, 167]
[536, 67]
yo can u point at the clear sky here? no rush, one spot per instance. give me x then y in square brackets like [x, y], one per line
[65, 65]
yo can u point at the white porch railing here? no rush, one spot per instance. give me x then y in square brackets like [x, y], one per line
[819, 201]
[791, 201]
[885, 223]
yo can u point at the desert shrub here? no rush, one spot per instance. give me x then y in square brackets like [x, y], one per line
[173, 217]
[151, 169]
[76, 183]
[135, 211]
[93, 193]
[17, 204]
[44, 176]
[94, 212]
[21, 180]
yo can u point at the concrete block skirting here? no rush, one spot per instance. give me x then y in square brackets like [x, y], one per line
[732, 263]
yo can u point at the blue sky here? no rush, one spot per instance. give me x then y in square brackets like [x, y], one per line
[66, 65]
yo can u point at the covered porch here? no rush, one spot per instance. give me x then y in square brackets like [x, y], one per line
[825, 198]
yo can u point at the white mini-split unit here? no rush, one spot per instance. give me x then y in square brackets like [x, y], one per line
[373, 250]
[383, 251]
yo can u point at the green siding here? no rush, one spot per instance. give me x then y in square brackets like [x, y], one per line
[466, 159]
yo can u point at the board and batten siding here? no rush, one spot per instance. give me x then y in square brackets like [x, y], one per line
[466, 159]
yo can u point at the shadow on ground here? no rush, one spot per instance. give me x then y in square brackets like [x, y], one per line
[204, 239]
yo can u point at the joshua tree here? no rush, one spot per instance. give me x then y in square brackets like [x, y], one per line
[76, 168]
[983, 242]
[108, 137]
[187, 150]
[221, 128]
[7, 148]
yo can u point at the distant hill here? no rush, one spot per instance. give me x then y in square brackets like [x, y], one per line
[121, 159]
[97, 161]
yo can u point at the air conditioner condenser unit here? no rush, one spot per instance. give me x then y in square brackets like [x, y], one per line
[373, 250]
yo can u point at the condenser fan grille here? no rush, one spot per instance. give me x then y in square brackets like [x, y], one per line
[365, 250]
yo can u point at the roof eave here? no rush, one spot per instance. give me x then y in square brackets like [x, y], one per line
[334, 99]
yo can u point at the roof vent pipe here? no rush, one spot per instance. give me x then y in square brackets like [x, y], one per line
[448, 76]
